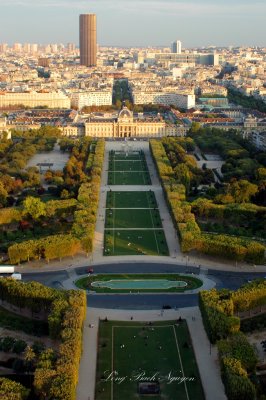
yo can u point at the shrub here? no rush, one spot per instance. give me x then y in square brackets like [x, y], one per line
[10, 390]
[237, 385]
[19, 346]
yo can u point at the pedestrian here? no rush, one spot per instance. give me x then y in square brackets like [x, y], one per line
[131, 318]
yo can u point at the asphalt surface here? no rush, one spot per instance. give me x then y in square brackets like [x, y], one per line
[223, 279]
[142, 301]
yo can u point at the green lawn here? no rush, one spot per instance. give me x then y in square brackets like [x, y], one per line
[136, 350]
[136, 218]
[129, 178]
[132, 210]
[127, 165]
[135, 242]
[131, 200]
[85, 283]
[116, 155]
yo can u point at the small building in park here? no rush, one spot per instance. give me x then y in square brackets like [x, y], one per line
[149, 388]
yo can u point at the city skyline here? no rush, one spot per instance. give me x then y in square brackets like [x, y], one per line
[144, 23]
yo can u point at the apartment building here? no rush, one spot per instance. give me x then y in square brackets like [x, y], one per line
[181, 100]
[91, 98]
[35, 99]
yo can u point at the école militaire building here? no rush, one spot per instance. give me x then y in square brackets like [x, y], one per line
[126, 125]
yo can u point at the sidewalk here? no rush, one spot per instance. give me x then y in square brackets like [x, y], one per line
[206, 355]
[167, 222]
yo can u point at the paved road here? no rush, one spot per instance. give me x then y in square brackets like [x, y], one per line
[142, 301]
[223, 279]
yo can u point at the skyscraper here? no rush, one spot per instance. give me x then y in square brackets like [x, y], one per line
[87, 39]
[176, 47]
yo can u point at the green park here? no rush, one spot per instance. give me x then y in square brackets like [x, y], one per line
[133, 224]
[137, 218]
[131, 199]
[135, 242]
[159, 352]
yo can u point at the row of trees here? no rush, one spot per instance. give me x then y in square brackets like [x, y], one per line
[238, 360]
[189, 232]
[217, 309]
[235, 248]
[219, 306]
[31, 295]
[235, 378]
[50, 248]
[238, 347]
[234, 211]
[59, 381]
[121, 93]
[55, 376]
[74, 171]
[250, 296]
[88, 198]
[34, 208]
[237, 357]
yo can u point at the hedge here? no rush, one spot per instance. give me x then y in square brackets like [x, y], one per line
[247, 213]
[237, 356]
[219, 306]
[88, 199]
[8, 215]
[60, 206]
[250, 296]
[236, 382]
[217, 313]
[10, 390]
[238, 347]
[50, 247]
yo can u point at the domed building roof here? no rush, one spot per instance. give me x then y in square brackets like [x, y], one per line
[125, 113]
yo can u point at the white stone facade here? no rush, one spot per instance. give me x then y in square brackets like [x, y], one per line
[126, 126]
[35, 99]
[92, 98]
[181, 100]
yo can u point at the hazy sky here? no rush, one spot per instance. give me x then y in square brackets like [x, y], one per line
[137, 22]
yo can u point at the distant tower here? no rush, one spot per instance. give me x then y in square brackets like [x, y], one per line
[176, 47]
[87, 40]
